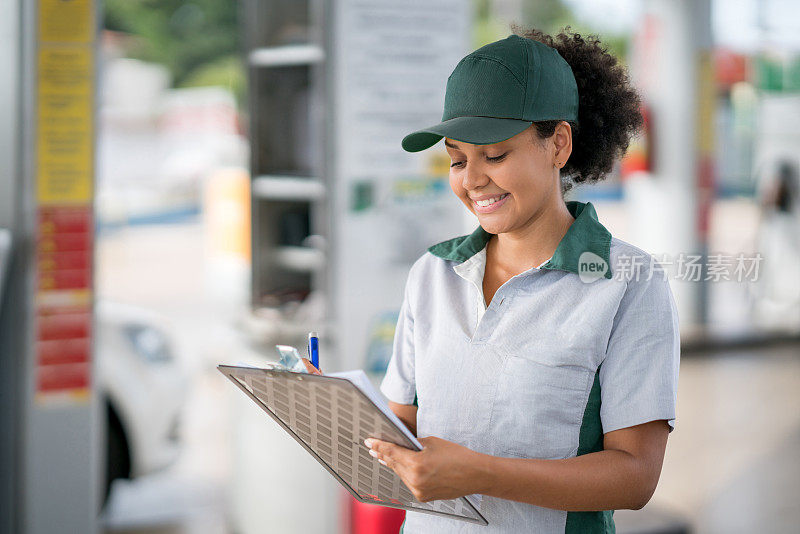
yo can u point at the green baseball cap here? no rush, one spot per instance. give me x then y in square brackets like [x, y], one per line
[499, 90]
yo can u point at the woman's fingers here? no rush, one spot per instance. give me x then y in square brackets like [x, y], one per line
[388, 453]
[381, 450]
[310, 367]
[375, 455]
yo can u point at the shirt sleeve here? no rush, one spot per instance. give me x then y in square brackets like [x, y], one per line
[399, 384]
[639, 374]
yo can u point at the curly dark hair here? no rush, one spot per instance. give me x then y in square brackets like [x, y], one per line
[608, 107]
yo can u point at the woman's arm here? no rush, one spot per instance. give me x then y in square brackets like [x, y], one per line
[622, 476]
[407, 413]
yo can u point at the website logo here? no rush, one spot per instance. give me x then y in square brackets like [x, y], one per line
[591, 267]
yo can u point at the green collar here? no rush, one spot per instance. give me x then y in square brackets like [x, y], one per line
[586, 234]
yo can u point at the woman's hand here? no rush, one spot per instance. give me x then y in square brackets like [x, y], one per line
[310, 367]
[441, 470]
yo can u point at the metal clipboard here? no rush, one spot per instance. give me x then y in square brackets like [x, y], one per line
[330, 418]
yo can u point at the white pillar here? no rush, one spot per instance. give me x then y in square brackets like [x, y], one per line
[664, 207]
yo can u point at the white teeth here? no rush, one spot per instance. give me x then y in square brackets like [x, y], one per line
[490, 201]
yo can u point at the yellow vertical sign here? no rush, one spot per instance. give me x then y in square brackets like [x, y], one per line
[706, 102]
[66, 21]
[65, 130]
[65, 101]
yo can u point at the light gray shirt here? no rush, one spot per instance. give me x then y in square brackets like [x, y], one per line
[581, 345]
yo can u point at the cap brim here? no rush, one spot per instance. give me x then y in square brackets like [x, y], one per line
[473, 130]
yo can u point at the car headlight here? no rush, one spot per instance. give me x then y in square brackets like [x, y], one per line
[149, 343]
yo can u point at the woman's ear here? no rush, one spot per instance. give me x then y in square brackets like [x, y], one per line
[562, 140]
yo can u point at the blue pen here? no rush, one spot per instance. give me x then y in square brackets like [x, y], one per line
[313, 348]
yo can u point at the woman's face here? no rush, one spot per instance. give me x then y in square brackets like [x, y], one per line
[522, 171]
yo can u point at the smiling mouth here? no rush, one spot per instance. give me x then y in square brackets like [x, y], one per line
[490, 201]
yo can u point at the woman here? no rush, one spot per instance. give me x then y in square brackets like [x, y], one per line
[539, 355]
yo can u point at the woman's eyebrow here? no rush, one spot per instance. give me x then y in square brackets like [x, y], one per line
[453, 145]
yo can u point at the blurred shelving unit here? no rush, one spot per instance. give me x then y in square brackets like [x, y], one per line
[339, 212]
[286, 60]
[288, 118]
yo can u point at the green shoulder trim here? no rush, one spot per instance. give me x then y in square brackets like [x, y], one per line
[590, 439]
[461, 248]
[586, 234]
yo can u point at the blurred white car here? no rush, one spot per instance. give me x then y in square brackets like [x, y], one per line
[142, 387]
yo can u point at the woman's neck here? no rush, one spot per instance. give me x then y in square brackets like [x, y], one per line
[519, 250]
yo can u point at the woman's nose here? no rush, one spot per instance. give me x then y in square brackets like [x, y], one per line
[474, 177]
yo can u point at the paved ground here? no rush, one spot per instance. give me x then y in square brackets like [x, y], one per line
[732, 464]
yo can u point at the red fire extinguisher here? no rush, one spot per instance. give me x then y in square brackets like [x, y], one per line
[371, 518]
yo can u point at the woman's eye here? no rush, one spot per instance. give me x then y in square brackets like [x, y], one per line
[494, 159]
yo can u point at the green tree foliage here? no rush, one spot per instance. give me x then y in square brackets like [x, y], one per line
[197, 40]
[550, 16]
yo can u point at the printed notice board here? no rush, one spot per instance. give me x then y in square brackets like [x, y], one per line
[65, 114]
